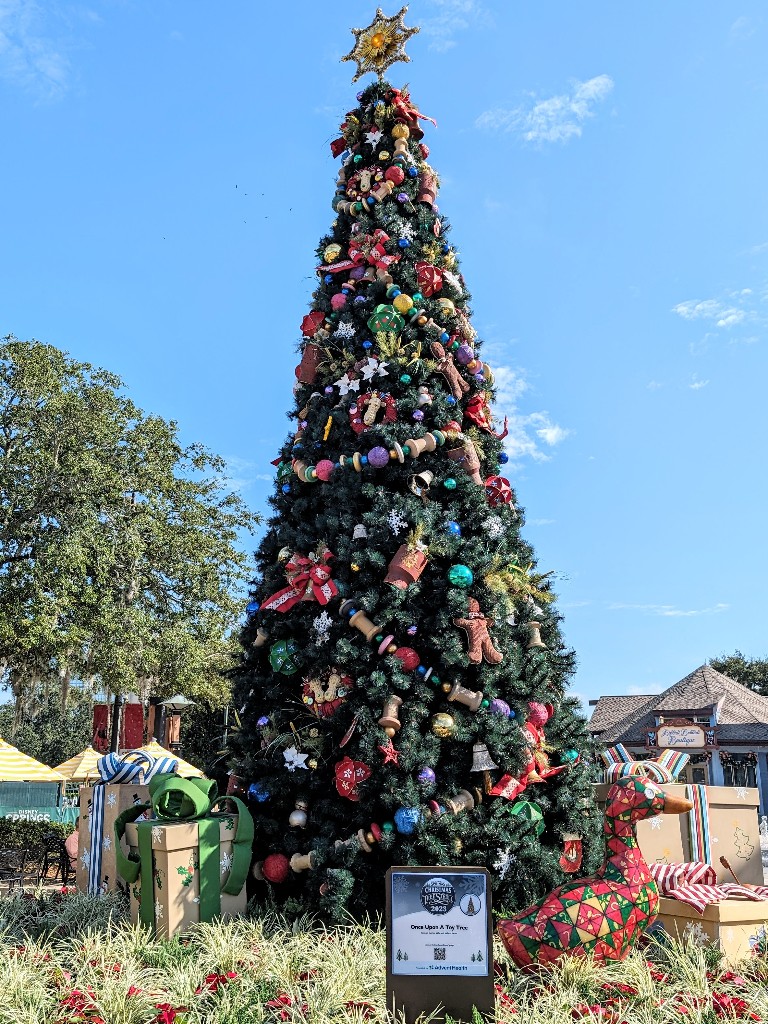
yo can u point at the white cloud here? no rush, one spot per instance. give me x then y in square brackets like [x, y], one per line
[30, 58]
[654, 385]
[758, 250]
[556, 119]
[527, 431]
[540, 522]
[452, 18]
[668, 610]
[712, 309]
[742, 28]
[697, 384]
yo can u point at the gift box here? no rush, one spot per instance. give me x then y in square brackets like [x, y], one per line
[736, 926]
[723, 823]
[175, 874]
[187, 864]
[123, 784]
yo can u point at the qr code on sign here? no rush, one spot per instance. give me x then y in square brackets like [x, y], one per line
[439, 952]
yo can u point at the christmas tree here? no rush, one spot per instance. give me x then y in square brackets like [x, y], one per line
[403, 681]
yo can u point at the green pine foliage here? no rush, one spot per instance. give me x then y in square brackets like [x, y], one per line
[289, 656]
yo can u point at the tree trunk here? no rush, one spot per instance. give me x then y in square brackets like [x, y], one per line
[114, 739]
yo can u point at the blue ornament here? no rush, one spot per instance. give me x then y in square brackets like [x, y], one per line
[367, 344]
[360, 300]
[406, 820]
[379, 103]
[412, 172]
[450, 400]
[461, 576]
[452, 528]
[328, 278]
[286, 488]
[258, 791]
[262, 721]
[503, 458]
[252, 607]
[403, 243]
[426, 776]
[445, 248]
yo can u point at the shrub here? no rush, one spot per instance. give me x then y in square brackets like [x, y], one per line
[18, 835]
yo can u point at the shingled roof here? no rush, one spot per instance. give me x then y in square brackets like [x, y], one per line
[742, 714]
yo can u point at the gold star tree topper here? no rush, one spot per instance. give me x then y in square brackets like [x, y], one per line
[381, 44]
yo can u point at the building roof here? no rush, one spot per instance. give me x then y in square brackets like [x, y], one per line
[742, 714]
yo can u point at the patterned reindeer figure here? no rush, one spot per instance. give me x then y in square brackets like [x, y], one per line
[606, 913]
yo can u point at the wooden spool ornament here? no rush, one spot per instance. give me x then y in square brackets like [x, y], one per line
[470, 698]
[303, 862]
[389, 720]
[359, 620]
[463, 801]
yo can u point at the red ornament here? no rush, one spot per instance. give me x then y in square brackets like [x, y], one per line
[498, 491]
[390, 754]
[349, 775]
[428, 278]
[395, 174]
[311, 323]
[324, 469]
[451, 427]
[570, 858]
[408, 657]
[275, 868]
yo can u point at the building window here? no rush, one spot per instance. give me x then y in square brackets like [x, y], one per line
[739, 769]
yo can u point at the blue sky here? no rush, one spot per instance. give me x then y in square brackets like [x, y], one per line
[166, 176]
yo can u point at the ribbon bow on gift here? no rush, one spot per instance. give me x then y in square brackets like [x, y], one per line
[135, 766]
[309, 578]
[186, 800]
[365, 249]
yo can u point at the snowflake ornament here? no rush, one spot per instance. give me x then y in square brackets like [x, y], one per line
[503, 863]
[696, 934]
[321, 627]
[107, 843]
[225, 862]
[373, 137]
[494, 527]
[85, 860]
[345, 330]
[741, 793]
[452, 280]
[112, 799]
[345, 384]
[294, 760]
[158, 911]
[406, 230]
[396, 522]
[157, 834]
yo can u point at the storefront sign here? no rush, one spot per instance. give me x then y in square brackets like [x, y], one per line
[439, 942]
[39, 814]
[681, 737]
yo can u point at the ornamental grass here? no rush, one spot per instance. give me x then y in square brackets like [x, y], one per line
[66, 958]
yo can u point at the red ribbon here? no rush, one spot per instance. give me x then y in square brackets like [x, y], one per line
[310, 580]
[406, 110]
[477, 410]
[369, 248]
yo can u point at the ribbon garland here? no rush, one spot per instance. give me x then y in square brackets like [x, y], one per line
[310, 580]
[173, 799]
[135, 766]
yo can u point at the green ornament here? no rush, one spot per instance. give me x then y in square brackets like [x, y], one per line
[529, 811]
[460, 576]
[281, 657]
[358, 159]
[417, 297]
[385, 318]
[449, 483]
[405, 378]
[388, 827]
[570, 756]
[485, 703]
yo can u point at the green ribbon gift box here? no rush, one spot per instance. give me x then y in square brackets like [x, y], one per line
[189, 863]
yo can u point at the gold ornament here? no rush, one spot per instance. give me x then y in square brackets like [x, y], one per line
[443, 725]
[332, 252]
[384, 155]
[402, 303]
[312, 762]
[400, 131]
[380, 44]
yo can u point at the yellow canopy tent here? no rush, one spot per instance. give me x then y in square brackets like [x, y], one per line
[18, 767]
[185, 769]
[81, 767]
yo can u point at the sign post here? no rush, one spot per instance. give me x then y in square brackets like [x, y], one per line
[439, 942]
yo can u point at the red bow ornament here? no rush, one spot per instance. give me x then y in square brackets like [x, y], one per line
[478, 412]
[309, 578]
[405, 110]
[349, 775]
[365, 249]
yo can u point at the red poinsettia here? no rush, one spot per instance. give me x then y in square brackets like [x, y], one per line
[168, 1013]
[280, 1004]
[732, 1006]
[213, 982]
[506, 1001]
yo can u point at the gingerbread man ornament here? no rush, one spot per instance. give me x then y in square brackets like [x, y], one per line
[480, 645]
[445, 364]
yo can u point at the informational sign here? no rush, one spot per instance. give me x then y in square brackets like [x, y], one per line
[439, 942]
